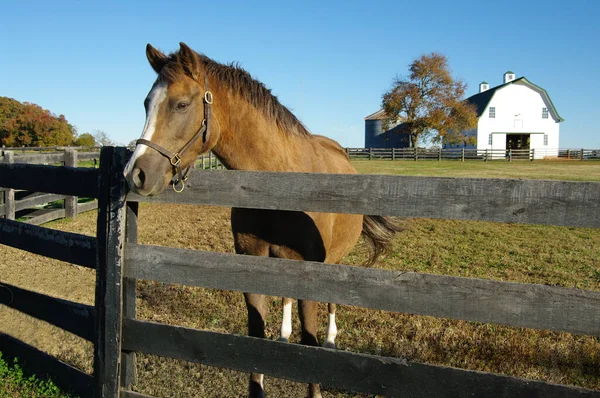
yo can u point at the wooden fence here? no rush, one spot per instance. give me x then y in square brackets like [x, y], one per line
[11, 202]
[463, 154]
[120, 261]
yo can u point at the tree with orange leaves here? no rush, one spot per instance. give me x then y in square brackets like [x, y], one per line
[430, 101]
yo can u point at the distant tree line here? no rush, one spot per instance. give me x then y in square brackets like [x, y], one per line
[27, 124]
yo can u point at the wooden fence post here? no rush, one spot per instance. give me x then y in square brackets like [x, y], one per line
[532, 154]
[393, 154]
[416, 156]
[581, 155]
[439, 154]
[9, 195]
[486, 156]
[462, 155]
[109, 291]
[128, 372]
[370, 153]
[71, 201]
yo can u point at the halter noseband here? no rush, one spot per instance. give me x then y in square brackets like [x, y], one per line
[175, 157]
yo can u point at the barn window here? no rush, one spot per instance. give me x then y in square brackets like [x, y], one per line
[544, 113]
[492, 112]
[545, 139]
[490, 140]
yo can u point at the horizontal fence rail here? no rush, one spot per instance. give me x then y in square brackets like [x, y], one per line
[339, 369]
[73, 317]
[471, 154]
[480, 300]
[51, 179]
[37, 200]
[64, 246]
[45, 366]
[564, 203]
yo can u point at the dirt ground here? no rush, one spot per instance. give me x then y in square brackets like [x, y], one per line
[551, 255]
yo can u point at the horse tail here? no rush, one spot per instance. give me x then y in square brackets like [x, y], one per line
[378, 232]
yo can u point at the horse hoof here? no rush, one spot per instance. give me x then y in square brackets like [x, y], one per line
[283, 340]
[328, 344]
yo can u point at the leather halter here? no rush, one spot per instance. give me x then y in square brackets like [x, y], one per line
[175, 157]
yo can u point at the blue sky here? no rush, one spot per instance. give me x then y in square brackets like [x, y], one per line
[329, 62]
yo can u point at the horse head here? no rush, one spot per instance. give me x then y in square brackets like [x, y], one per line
[177, 123]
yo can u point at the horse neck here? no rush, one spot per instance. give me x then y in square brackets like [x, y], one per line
[248, 140]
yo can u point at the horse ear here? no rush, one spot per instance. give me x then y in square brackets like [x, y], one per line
[189, 60]
[156, 58]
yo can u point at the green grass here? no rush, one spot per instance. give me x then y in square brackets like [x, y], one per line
[15, 383]
[542, 170]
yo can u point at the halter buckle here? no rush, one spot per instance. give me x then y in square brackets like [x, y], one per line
[208, 97]
[175, 160]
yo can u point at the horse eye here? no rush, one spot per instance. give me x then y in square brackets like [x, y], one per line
[182, 106]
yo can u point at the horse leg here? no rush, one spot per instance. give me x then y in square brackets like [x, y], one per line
[257, 316]
[308, 320]
[331, 328]
[286, 322]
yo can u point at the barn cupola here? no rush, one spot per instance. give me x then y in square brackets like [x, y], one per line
[483, 86]
[509, 76]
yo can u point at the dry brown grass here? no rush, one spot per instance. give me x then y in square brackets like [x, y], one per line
[538, 254]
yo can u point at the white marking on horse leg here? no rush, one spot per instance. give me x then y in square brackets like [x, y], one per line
[331, 331]
[286, 322]
[261, 380]
[156, 97]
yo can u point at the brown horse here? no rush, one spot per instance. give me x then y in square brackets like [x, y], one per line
[197, 105]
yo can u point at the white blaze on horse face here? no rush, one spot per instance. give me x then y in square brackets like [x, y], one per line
[155, 99]
[331, 330]
[286, 322]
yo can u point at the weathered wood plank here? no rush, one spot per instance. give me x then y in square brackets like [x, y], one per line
[88, 155]
[44, 158]
[109, 291]
[46, 367]
[9, 195]
[73, 317]
[46, 216]
[133, 394]
[517, 201]
[507, 303]
[37, 200]
[339, 369]
[83, 207]
[71, 201]
[128, 371]
[64, 246]
[51, 179]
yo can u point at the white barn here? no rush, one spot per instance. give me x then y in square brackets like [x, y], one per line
[515, 115]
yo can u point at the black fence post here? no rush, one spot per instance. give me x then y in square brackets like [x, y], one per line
[128, 372]
[109, 260]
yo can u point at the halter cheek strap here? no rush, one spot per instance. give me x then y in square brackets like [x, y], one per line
[175, 157]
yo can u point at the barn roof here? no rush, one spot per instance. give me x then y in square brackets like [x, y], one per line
[379, 115]
[482, 100]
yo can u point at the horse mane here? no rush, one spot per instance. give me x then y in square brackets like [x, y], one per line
[241, 83]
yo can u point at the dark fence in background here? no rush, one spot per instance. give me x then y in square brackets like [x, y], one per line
[463, 154]
[40, 207]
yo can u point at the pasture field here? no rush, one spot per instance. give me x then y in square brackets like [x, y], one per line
[561, 256]
[539, 169]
